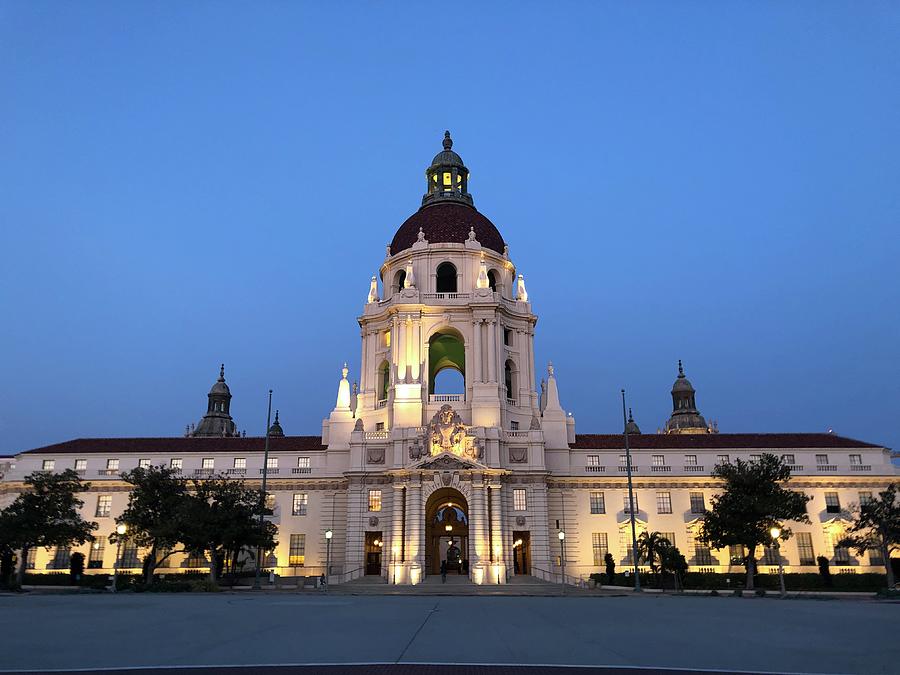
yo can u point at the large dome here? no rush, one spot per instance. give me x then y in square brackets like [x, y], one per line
[447, 222]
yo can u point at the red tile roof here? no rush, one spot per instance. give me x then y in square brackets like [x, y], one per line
[715, 441]
[111, 446]
[447, 222]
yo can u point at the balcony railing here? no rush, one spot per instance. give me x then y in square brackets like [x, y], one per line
[693, 468]
[446, 398]
[446, 296]
[108, 472]
[377, 435]
[661, 469]
[795, 467]
[301, 469]
[860, 467]
[826, 467]
[511, 401]
[381, 404]
[236, 472]
[623, 468]
[517, 433]
[595, 468]
[203, 472]
[270, 471]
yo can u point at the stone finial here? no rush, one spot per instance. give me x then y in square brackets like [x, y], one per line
[448, 142]
[521, 293]
[373, 291]
[222, 373]
[421, 235]
[535, 423]
[550, 369]
[409, 281]
[344, 371]
[472, 234]
[359, 425]
[482, 281]
[680, 369]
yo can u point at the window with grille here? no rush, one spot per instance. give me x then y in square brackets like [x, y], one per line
[272, 463]
[698, 505]
[841, 553]
[627, 506]
[176, 463]
[598, 502]
[722, 459]
[240, 462]
[669, 537]
[95, 556]
[144, 463]
[297, 555]
[821, 459]
[196, 559]
[658, 460]
[855, 460]
[625, 545]
[112, 465]
[788, 459]
[513, 425]
[702, 554]
[805, 548]
[736, 554]
[755, 458]
[208, 463]
[301, 499]
[374, 500]
[690, 460]
[770, 556]
[303, 462]
[31, 559]
[593, 460]
[129, 554]
[664, 502]
[623, 460]
[865, 498]
[104, 506]
[600, 547]
[48, 464]
[832, 502]
[875, 556]
[520, 503]
[80, 464]
[61, 557]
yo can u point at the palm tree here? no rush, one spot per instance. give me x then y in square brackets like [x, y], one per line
[650, 548]
[672, 561]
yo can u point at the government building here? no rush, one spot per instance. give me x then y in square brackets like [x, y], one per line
[406, 474]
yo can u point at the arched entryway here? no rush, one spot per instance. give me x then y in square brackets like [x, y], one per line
[447, 532]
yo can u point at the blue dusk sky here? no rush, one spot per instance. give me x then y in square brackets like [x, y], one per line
[184, 184]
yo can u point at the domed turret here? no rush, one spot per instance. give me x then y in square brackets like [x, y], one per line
[685, 418]
[217, 420]
[275, 430]
[631, 427]
[447, 177]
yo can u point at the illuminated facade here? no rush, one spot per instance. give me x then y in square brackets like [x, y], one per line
[484, 477]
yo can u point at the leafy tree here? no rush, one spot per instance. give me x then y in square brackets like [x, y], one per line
[650, 546]
[220, 516]
[672, 561]
[876, 527]
[45, 515]
[755, 499]
[152, 516]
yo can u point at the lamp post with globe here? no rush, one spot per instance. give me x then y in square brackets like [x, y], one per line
[776, 535]
[121, 530]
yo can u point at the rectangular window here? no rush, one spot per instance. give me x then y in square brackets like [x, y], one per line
[664, 502]
[625, 545]
[788, 459]
[104, 506]
[507, 337]
[658, 460]
[593, 460]
[769, 556]
[519, 501]
[61, 558]
[698, 505]
[374, 500]
[855, 460]
[270, 505]
[736, 554]
[702, 554]
[821, 459]
[600, 545]
[627, 507]
[129, 558]
[31, 559]
[196, 559]
[513, 425]
[722, 459]
[301, 499]
[272, 463]
[48, 464]
[240, 462]
[297, 555]
[690, 460]
[112, 465]
[623, 460]
[669, 537]
[95, 557]
[80, 464]
[805, 548]
[598, 503]
[755, 458]
[832, 502]
[379, 426]
[841, 553]
[208, 463]
[875, 557]
[303, 462]
[144, 463]
[865, 498]
[176, 463]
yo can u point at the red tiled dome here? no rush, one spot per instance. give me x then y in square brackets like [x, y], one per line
[447, 222]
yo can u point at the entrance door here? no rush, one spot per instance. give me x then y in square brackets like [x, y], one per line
[522, 552]
[374, 544]
[446, 532]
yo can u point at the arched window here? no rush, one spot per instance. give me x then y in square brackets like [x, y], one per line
[399, 279]
[384, 380]
[446, 278]
[492, 280]
[447, 356]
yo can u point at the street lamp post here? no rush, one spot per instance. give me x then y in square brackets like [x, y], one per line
[121, 529]
[262, 495]
[562, 558]
[328, 535]
[776, 535]
[634, 547]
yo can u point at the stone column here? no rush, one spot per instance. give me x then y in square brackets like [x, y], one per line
[496, 522]
[492, 350]
[415, 530]
[476, 365]
[478, 530]
[396, 551]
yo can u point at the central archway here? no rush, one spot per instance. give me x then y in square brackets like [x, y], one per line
[446, 528]
[446, 349]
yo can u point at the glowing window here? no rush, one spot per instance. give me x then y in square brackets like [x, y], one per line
[144, 463]
[519, 499]
[374, 500]
[208, 463]
[104, 506]
[448, 178]
[598, 502]
[240, 462]
[297, 555]
[176, 464]
[272, 463]
[303, 462]
[301, 499]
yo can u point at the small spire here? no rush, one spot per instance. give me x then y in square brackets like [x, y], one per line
[448, 142]
[276, 416]
[630, 416]
[344, 371]
[222, 373]
[680, 369]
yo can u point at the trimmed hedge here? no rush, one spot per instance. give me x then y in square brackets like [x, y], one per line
[793, 581]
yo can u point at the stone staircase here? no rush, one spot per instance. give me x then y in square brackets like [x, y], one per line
[519, 585]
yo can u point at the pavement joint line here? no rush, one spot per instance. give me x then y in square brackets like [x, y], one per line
[418, 630]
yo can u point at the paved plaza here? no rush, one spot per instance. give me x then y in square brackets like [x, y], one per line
[150, 630]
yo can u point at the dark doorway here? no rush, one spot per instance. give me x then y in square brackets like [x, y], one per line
[522, 552]
[374, 544]
[447, 532]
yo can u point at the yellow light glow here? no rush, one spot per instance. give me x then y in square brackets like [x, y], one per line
[121, 529]
[449, 528]
[387, 339]
[448, 177]
[775, 532]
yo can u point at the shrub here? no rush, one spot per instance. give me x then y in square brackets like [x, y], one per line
[824, 571]
[76, 567]
[597, 578]
[738, 593]
[760, 592]
[205, 586]
[714, 593]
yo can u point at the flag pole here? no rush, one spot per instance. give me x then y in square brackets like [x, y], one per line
[262, 494]
[634, 548]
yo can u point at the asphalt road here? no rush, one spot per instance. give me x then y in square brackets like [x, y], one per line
[150, 630]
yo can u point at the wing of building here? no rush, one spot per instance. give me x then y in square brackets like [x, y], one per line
[407, 475]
